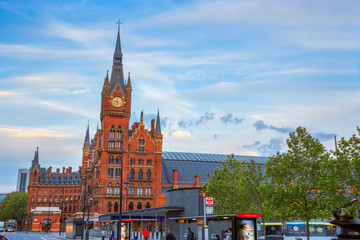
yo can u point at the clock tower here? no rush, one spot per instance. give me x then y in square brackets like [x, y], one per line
[116, 150]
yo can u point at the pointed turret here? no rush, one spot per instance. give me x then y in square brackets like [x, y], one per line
[117, 76]
[158, 127]
[106, 86]
[142, 117]
[128, 82]
[87, 135]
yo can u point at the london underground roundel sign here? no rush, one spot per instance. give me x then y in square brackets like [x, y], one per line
[203, 195]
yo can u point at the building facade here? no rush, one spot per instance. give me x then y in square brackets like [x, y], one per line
[23, 180]
[54, 189]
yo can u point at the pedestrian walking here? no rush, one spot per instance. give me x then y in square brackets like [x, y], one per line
[103, 234]
[112, 236]
[146, 233]
[217, 237]
[170, 236]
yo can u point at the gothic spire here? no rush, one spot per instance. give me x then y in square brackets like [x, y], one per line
[117, 75]
[158, 127]
[35, 162]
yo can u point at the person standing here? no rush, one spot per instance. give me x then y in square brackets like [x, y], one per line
[103, 234]
[190, 235]
[229, 234]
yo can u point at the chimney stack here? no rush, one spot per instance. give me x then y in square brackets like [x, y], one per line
[153, 125]
[58, 170]
[175, 178]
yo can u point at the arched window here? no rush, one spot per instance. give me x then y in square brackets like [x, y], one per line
[118, 159]
[118, 133]
[140, 174]
[141, 144]
[117, 172]
[140, 191]
[148, 191]
[148, 175]
[109, 189]
[33, 191]
[56, 199]
[97, 189]
[139, 205]
[112, 132]
[131, 206]
[116, 207]
[132, 161]
[69, 208]
[117, 189]
[109, 206]
[110, 172]
[147, 205]
[35, 176]
[112, 138]
[148, 162]
[50, 199]
[131, 190]
[97, 174]
[141, 161]
[132, 174]
[44, 200]
[110, 159]
[32, 199]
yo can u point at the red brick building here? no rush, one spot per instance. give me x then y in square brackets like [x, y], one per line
[116, 148]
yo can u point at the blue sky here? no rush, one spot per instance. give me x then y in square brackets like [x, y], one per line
[227, 76]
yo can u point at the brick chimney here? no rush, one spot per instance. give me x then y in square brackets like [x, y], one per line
[69, 171]
[63, 172]
[58, 170]
[196, 181]
[175, 178]
[153, 125]
[49, 171]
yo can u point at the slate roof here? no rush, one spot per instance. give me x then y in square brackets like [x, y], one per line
[191, 164]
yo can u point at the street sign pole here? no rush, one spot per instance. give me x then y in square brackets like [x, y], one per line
[206, 234]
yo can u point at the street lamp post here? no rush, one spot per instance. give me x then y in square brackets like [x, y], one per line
[62, 208]
[88, 220]
[48, 226]
[83, 220]
[121, 184]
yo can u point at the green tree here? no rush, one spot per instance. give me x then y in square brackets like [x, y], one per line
[343, 181]
[236, 187]
[14, 206]
[295, 179]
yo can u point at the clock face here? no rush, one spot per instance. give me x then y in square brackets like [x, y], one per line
[117, 102]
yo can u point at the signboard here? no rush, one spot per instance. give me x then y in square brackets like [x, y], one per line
[96, 219]
[209, 201]
[206, 233]
[96, 215]
[209, 210]
[203, 195]
[249, 215]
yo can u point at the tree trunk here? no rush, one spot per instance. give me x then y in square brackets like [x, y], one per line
[307, 230]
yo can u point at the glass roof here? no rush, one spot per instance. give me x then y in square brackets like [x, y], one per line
[206, 157]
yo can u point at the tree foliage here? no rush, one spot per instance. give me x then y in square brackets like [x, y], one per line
[14, 205]
[296, 177]
[342, 187]
[236, 187]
